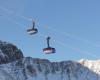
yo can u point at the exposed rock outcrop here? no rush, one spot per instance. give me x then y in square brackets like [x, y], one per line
[9, 52]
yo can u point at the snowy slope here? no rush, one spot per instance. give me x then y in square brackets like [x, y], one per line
[14, 66]
[40, 69]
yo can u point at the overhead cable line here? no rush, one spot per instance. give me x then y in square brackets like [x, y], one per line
[16, 14]
[57, 41]
[73, 36]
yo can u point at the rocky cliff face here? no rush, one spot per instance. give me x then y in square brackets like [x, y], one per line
[27, 68]
[9, 52]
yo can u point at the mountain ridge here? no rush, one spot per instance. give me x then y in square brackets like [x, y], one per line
[18, 67]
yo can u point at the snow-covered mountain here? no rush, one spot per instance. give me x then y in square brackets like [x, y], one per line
[14, 66]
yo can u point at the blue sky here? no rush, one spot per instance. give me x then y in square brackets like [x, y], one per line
[73, 25]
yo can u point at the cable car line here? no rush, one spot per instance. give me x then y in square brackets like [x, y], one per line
[73, 48]
[31, 31]
[61, 43]
[73, 36]
[55, 30]
[12, 12]
[49, 50]
[81, 51]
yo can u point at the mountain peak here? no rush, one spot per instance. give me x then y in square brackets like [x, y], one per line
[9, 52]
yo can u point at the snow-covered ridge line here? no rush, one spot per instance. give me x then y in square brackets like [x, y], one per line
[13, 66]
[41, 69]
